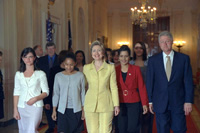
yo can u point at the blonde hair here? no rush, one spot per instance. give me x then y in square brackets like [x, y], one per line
[97, 43]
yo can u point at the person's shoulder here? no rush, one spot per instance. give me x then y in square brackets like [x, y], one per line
[39, 73]
[134, 67]
[80, 74]
[43, 57]
[87, 66]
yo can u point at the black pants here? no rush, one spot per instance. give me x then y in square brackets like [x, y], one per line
[70, 122]
[128, 118]
[51, 122]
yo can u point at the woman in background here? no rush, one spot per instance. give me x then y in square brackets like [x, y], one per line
[140, 59]
[80, 60]
[132, 91]
[115, 55]
[101, 99]
[30, 89]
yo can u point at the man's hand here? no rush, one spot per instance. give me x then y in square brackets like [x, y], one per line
[151, 108]
[47, 106]
[187, 108]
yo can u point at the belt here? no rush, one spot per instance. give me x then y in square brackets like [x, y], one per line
[125, 92]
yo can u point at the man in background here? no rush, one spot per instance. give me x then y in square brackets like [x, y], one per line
[38, 50]
[45, 63]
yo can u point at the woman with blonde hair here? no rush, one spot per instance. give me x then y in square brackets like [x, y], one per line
[102, 95]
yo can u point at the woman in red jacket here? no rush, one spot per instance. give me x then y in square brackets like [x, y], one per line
[132, 91]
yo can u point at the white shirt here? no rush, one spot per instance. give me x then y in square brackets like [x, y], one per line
[27, 88]
[171, 55]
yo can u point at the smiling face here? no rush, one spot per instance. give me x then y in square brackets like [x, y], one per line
[165, 44]
[69, 65]
[51, 50]
[28, 59]
[97, 52]
[124, 58]
[138, 50]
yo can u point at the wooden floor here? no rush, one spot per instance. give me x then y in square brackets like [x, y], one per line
[193, 121]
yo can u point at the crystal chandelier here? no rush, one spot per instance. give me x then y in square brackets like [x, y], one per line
[143, 16]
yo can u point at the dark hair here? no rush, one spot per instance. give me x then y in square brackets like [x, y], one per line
[62, 56]
[1, 53]
[114, 51]
[108, 49]
[144, 55]
[23, 54]
[35, 47]
[124, 48]
[71, 55]
[50, 44]
[80, 51]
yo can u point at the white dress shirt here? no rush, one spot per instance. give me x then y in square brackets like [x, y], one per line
[171, 55]
[27, 88]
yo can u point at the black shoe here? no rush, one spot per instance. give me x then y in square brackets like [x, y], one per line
[50, 130]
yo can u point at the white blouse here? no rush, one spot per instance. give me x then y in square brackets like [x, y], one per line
[27, 88]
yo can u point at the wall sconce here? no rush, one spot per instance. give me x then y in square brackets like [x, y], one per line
[122, 43]
[179, 44]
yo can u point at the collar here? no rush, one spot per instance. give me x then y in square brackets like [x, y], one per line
[103, 66]
[52, 57]
[171, 54]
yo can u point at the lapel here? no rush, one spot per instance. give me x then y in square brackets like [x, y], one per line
[162, 67]
[129, 77]
[173, 67]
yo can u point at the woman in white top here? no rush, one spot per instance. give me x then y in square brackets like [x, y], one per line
[29, 90]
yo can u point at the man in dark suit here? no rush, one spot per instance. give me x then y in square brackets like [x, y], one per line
[169, 86]
[45, 63]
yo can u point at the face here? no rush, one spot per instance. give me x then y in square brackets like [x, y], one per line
[51, 50]
[79, 58]
[39, 51]
[138, 50]
[28, 59]
[124, 58]
[97, 52]
[69, 65]
[116, 57]
[109, 55]
[165, 44]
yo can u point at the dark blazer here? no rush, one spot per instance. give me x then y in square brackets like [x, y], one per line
[174, 93]
[128, 90]
[43, 65]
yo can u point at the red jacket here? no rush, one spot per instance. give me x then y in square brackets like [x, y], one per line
[128, 91]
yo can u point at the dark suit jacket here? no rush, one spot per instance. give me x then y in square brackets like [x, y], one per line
[128, 90]
[43, 64]
[173, 94]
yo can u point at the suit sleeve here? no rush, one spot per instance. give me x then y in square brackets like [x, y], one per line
[113, 87]
[142, 88]
[188, 82]
[149, 79]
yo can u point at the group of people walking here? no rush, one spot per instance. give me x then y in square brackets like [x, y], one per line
[118, 95]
